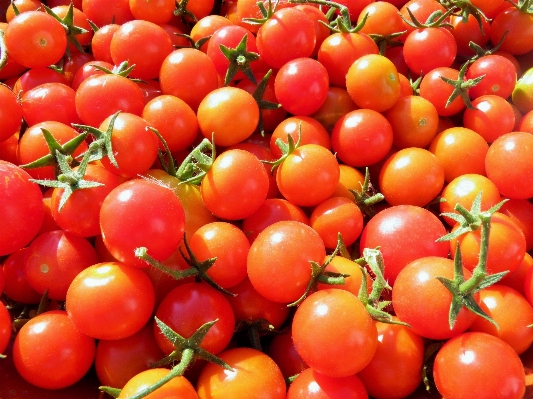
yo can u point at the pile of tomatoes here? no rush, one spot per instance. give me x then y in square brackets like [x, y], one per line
[293, 199]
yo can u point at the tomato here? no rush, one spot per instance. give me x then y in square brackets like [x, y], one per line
[65, 353]
[177, 387]
[16, 286]
[507, 245]
[283, 352]
[5, 327]
[499, 76]
[80, 214]
[404, 233]
[187, 307]
[337, 216]
[140, 213]
[437, 41]
[423, 302]
[278, 262]
[311, 384]
[158, 12]
[437, 91]
[101, 13]
[35, 39]
[518, 30]
[188, 74]
[350, 179]
[32, 146]
[492, 117]
[460, 151]
[206, 26]
[253, 372]
[229, 115]
[21, 219]
[478, 362]
[421, 9]
[334, 316]
[521, 212]
[120, 297]
[49, 102]
[466, 31]
[362, 137]
[293, 90]
[395, 369]
[354, 279]
[235, 186]
[411, 176]
[512, 313]
[101, 42]
[372, 81]
[54, 260]
[463, 190]
[337, 104]
[292, 27]
[250, 306]
[310, 162]
[118, 360]
[10, 113]
[509, 166]
[521, 96]
[143, 44]
[414, 121]
[272, 210]
[229, 245]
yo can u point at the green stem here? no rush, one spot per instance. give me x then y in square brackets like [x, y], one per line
[480, 271]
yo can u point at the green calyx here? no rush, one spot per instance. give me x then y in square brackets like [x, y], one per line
[239, 60]
[367, 197]
[461, 86]
[463, 290]
[263, 104]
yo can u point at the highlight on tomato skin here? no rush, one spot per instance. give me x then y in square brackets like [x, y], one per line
[299, 199]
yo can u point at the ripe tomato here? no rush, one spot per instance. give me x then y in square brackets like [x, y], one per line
[411, 176]
[35, 39]
[499, 76]
[253, 372]
[510, 166]
[278, 261]
[517, 27]
[140, 213]
[10, 113]
[310, 162]
[492, 117]
[158, 12]
[478, 362]
[177, 388]
[283, 352]
[235, 186]
[22, 220]
[187, 307]
[120, 297]
[229, 115]
[311, 384]
[334, 316]
[66, 352]
[437, 91]
[293, 90]
[362, 137]
[101, 13]
[423, 302]
[404, 233]
[16, 286]
[5, 327]
[373, 82]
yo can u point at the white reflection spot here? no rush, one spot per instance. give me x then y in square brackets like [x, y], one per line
[125, 195]
[230, 374]
[467, 357]
[313, 387]
[322, 310]
[423, 277]
[509, 146]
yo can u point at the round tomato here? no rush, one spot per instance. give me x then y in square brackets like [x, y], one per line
[177, 388]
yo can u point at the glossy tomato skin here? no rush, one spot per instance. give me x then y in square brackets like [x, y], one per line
[177, 387]
[404, 233]
[5, 327]
[395, 369]
[140, 213]
[480, 363]
[119, 296]
[253, 372]
[187, 307]
[21, 219]
[510, 166]
[423, 302]
[278, 262]
[281, 349]
[334, 316]
[67, 353]
[10, 114]
[311, 384]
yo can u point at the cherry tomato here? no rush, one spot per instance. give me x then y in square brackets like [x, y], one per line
[311, 384]
[177, 387]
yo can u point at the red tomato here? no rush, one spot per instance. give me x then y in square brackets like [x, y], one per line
[120, 297]
[311, 384]
[10, 113]
[278, 261]
[177, 387]
[334, 316]
[5, 327]
[140, 213]
[492, 117]
[478, 362]
[283, 352]
[253, 372]
[404, 233]
[67, 353]
[21, 219]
